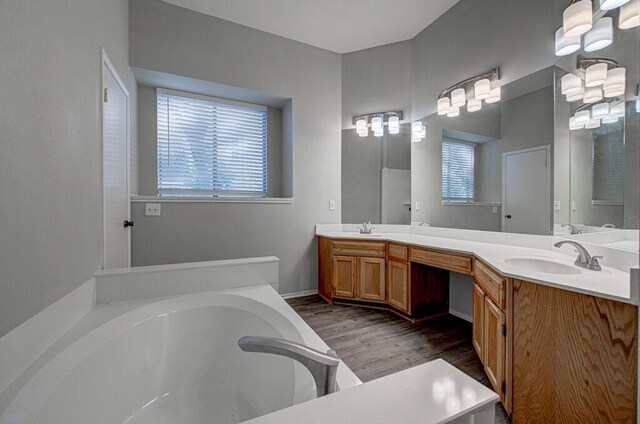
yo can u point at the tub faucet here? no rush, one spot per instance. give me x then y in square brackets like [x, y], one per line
[366, 228]
[574, 229]
[584, 259]
[323, 366]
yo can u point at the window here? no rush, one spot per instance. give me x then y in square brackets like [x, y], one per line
[210, 147]
[458, 180]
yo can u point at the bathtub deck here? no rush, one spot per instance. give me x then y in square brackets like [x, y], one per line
[376, 343]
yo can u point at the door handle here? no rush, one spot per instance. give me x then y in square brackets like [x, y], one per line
[128, 223]
[508, 216]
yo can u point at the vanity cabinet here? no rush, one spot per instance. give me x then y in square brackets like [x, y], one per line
[371, 279]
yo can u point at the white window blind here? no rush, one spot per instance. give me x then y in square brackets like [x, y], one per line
[458, 179]
[210, 147]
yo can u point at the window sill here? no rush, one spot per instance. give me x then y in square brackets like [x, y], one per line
[167, 199]
[489, 204]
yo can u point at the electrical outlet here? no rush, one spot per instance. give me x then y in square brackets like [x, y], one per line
[573, 205]
[417, 206]
[556, 205]
[332, 205]
[495, 209]
[152, 209]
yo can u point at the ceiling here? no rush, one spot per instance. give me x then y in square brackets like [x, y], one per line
[340, 26]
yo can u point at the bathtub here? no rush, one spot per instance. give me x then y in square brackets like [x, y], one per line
[173, 360]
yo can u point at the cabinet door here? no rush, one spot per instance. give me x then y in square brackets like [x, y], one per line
[494, 344]
[344, 276]
[478, 320]
[398, 285]
[372, 279]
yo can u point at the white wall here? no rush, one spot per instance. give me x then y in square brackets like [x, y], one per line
[50, 190]
[170, 39]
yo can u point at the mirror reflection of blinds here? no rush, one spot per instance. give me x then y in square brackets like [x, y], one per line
[458, 180]
[210, 148]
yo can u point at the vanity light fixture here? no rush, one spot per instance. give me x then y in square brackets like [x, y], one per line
[566, 45]
[611, 4]
[577, 18]
[478, 88]
[629, 15]
[600, 36]
[377, 122]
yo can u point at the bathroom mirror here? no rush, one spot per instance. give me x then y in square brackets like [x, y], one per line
[376, 177]
[458, 171]
[597, 166]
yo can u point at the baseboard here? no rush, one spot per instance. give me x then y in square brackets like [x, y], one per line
[26, 343]
[299, 294]
[461, 315]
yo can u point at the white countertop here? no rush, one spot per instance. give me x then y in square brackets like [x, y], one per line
[611, 283]
[435, 392]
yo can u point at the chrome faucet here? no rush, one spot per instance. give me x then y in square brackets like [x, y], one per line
[574, 229]
[322, 366]
[424, 224]
[584, 259]
[608, 226]
[366, 228]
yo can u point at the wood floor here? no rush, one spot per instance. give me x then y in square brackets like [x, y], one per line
[377, 343]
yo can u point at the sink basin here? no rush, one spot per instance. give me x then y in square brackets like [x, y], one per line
[366, 235]
[545, 266]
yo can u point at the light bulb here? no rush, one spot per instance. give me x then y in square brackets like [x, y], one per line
[376, 124]
[566, 45]
[444, 104]
[573, 125]
[582, 117]
[629, 15]
[474, 105]
[458, 97]
[596, 75]
[394, 125]
[570, 82]
[592, 95]
[611, 4]
[600, 36]
[592, 124]
[600, 110]
[455, 111]
[577, 18]
[482, 89]
[494, 96]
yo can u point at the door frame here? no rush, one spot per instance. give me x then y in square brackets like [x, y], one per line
[107, 66]
[547, 149]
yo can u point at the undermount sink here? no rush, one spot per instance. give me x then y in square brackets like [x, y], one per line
[367, 235]
[545, 266]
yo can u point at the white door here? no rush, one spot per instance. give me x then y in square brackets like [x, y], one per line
[115, 168]
[526, 186]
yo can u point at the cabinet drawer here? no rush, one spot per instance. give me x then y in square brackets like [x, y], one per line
[359, 248]
[450, 261]
[398, 252]
[492, 283]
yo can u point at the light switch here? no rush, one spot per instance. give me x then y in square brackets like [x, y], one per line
[417, 206]
[573, 205]
[556, 205]
[152, 209]
[495, 209]
[332, 205]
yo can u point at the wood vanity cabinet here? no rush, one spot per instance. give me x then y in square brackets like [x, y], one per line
[398, 277]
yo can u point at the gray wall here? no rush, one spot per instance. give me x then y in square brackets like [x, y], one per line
[50, 196]
[170, 39]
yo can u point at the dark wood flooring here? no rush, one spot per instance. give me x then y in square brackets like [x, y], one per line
[376, 343]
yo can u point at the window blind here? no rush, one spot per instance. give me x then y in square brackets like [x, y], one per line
[210, 147]
[458, 179]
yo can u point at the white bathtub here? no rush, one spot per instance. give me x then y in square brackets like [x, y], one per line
[169, 361]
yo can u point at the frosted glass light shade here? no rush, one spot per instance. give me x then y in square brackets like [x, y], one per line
[453, 112]
[570, 82]
[616, 78]
[575, 95]
[592, 124]
[582, 117]
[394, 125]
[577, 18]
[592, 95]
[444, 104]
[482, 89]
[416, 138]
[617, 111]
[378, 133]
[364, 133]
[458, 97]
[600, 36]
[596, 75]
[600, 110]
[611, 4]
[494, 96]
[423, 132]
[573, 125]
[629, 15]
[361, 126]
[376, 124]
[614, 92]
[609, 119]
[566, 45]
[474, 105]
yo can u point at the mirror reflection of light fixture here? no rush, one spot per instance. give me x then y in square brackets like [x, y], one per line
[474, 105]
[629, 15]
[453, 112]
[616, 78]
[611, 4]
[444, 105]
[573, 125]
[482, 89]
[494, 96]
[582, 117]
[609, 119]
[566, 45]
[361, 127]
[378, 133]
[377, 121]
[600, 36]
[455, 97]
[576, 95]
[618, 110]
[570, 83]
[593, 94]
[592, 124]
[577, 18]
[418, 132]
[394, 125]
[596, 75]
[600, 110]
[458, 97]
